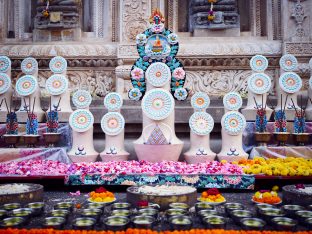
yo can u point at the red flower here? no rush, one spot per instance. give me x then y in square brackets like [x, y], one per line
[142, 203]
[300, 186]
[213, 191]
[100, 190]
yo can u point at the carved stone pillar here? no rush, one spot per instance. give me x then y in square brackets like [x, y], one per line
[255, 20]
[3, 18]
[173, 15]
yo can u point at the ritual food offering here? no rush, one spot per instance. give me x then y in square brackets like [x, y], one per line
[214, 222]
[144, 221]
[84, 223]
[212, 196]
[266, 196]
[54, 222]
[101, 195]
[116, 223]
[180, 222]
[253, 223]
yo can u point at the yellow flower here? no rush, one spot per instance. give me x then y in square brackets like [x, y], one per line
[275, 188]
[266, 194]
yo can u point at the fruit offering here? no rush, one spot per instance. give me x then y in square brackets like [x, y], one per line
[267, 196]
[212, 195]
[101, 195]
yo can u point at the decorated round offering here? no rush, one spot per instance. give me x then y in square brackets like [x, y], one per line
[259, 83]
[57, 84]
[233, 122]
[288, 62]
[232, 101]
[259, 63]
[112, 123]
[157, 104]
[81, 120]
[58, 64]
[82, 99]
[201, 123]
[5, 63]
[290, 82]
[5, 83]
[29, 66]
[158, 74]
[26, 85]
[200, 101]
[113, 101]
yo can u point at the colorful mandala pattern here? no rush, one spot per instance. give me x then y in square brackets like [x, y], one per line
[288, 62]
[113, 101]
[82, 99]
[259, 83]
[232, 101]
[5, 63]
[57, 84]
[157, 104]
[173, 38]
[112, 123]
[26, 85]
[201, 123]
[180, 94]
[290, 82]
[5, 83]
[158, 74]
[81, 120]
[134, 94]
[29, 66]
[259, 63]
[200, 101]
[233, 122]
[58, 64]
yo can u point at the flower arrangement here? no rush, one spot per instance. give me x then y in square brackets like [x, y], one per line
[52, 118]
[278, 167]
[280, 117]
[267, 196]
[299, 121]
[32, 120]
[11, 119]
[212, 195]
[261, 120]
[101, 195]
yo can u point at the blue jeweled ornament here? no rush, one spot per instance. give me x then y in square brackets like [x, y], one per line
[261, 121]
[11, 124]
[52, 122]
[280, 121]
[32, 124]
[299, 123]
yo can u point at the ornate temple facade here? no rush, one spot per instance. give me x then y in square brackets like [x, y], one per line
[97, 37]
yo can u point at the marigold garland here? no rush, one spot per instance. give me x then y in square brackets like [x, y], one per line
[142, 231]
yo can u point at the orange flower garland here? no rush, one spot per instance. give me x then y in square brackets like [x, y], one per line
[142, 231]
[102, 195]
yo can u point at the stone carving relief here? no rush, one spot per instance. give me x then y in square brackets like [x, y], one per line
[303, 49]
[298, 15]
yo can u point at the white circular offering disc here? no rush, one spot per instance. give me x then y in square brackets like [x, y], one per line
[290, 82]
[233, 122]
[232, 101]
[5, 63]
[5, 83]
[29, 66]
[259, 83]
[57, 84]
[288, 62]
[81, 120]
[157, 104]
[259, 63]
[26, 85]
[82, 99]
[113, 101]
[200, 101]
[201, 123]
[158, 74]
[112, 123]
[58, 64]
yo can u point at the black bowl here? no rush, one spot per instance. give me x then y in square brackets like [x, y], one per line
[180, 222]
[54, 222]
[143, 221]
[37, 207]
[84, 223]
[12, 222]
[116, 223]
[284, 224]
[252, 223]
[215, 222]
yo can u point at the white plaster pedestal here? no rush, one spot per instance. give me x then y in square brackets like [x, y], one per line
[3, 111]
[289, 110]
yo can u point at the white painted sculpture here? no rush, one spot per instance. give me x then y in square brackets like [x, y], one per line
[259, 84]
[288, 86]
[81, 121]
[113, 125]
[309, 107]
[233, 124]
[57, 87]
[201, 124]
[6, 90]
[29, 91]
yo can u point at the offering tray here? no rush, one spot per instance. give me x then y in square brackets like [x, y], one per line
[20, 192]
[159, 194]
[303, 196]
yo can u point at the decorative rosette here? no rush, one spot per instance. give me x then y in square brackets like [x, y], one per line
[137, 73]
[232, 101]
[11, 124]
[288, 62]
[157, 104]
[5, 83]
[57, 84]
[259, 83]
[201, 123]
[26, 85]
[290, 82]
[141, 39]
[82, 99]
[81, 120]
[158, 74]
[280, 121]
[233, 122]
[5, 63]
[32, 124]
[200, 101]
[173, 38]
[135, 94]
[180, 94]
[112, 123]
[259, 63]
[29, 66]
[178, 73]
[113, 101]
[58, 64]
